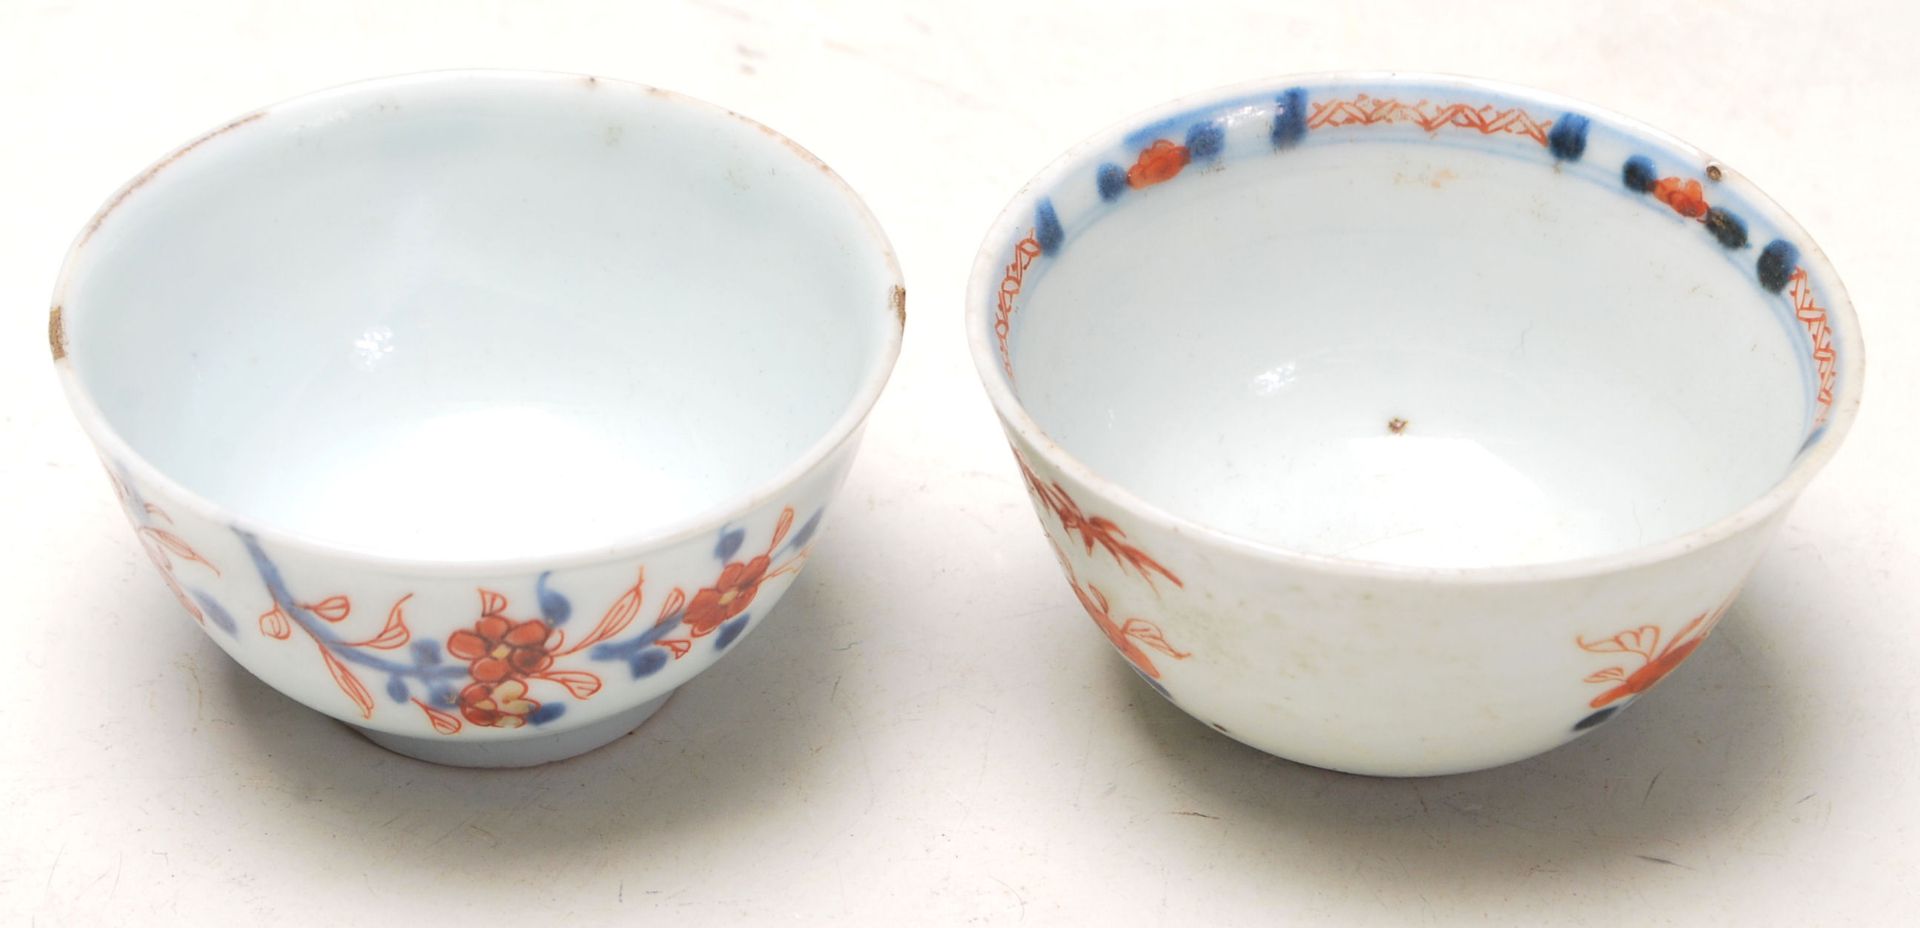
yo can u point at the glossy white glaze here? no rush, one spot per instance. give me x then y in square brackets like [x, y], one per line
[475, 347]
[1402, 424]
[1572, 376]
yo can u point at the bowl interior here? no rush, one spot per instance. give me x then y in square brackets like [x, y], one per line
[473, 316]
[1431, 345]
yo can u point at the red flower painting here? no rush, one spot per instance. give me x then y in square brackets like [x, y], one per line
[500, 648]
[501, 704]
[1160, 162]
[728, 596]
[1657, 659]
[1685, 197]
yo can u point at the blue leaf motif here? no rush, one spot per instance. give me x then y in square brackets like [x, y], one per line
[426, 652]
[553, 606]
[730, 631]
[730, 542]
[442, 697]
[805, 534]
[547, 713]
[648, 662]
[214, 612]
[397, 688]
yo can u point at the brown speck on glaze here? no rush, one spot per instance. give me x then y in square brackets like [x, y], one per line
[56, 334]
[899, 303]
[1396, 425]
[1714, 172]
[141, 181]
[590, 80]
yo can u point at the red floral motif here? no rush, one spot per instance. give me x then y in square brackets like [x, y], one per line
[500, 648]
[499, 704]
[504, 656]
[731, 593]
[1159, 163]
[161, 545]
[728, 597]
[1093, 530]
[1129, 636]
[1656, 661]
[1685, 197]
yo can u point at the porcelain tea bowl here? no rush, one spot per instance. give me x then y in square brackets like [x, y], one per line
[1406, 425]
[480, 410]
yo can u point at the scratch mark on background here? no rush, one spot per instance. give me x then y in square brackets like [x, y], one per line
[1649, 858]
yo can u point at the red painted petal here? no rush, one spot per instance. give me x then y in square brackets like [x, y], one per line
[745, 599]
[530, 632]
[493, 627]
[466, 645]
[704, 612]
[530, 660]
[1611, 696]
[491, 670]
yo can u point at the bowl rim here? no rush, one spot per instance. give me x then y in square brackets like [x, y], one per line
[889, 299]
[989, 264]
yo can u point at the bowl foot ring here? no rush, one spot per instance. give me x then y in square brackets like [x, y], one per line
[455, 751]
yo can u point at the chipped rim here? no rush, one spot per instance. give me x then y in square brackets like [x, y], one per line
[889, 299]
[989, 263]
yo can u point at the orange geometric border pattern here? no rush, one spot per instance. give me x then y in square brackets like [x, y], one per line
[1365, 110]
[1814, 318]
[1010, 283]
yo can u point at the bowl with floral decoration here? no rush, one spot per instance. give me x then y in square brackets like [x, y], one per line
[479, 410]
[1407, 424]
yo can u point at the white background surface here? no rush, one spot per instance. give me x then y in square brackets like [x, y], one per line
[929, 731]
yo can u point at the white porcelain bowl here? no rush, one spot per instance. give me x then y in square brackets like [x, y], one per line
[1407, 424]
[477, 409]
